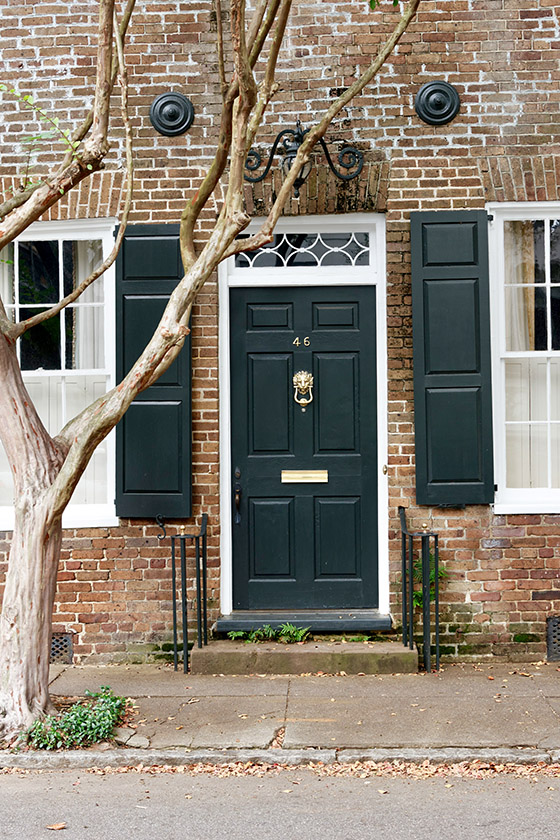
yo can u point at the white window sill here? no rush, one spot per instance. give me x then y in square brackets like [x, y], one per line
[526, 507]
[78, 516]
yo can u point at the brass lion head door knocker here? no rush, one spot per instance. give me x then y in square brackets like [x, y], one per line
[303, 388]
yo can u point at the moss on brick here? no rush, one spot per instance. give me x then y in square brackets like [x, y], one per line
[526, 637]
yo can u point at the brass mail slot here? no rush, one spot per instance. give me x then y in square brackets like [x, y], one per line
[304, 476]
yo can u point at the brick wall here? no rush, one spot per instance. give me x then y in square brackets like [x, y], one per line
[502, 55]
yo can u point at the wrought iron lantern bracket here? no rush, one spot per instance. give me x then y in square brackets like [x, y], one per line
[291, 139]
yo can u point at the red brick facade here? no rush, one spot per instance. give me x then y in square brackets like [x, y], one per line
[502, 56]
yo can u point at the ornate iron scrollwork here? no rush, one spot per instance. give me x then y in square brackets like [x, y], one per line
[290, 139]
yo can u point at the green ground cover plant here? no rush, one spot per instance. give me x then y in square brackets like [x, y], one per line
[81, 725]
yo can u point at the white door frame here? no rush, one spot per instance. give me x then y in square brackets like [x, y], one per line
[373, 275]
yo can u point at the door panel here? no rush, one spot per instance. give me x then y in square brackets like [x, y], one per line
[336, 415]
[269, 374]
[271, 526]
[337, 537]
[307, 544]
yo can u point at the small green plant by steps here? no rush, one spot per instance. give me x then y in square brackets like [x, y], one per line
[290, 634]
[287, 633]
[417, 598]
[81, 725]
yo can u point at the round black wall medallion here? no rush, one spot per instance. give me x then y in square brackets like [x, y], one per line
[437, 103]
[171, 114]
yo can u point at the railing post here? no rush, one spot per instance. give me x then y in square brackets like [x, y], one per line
[201, 569]
[426, 635]
[204, 576]
[174, 602]
[182, 539]
[198, 592]
[407, 576]
[436, 570]
[404, 599]
[411, 590]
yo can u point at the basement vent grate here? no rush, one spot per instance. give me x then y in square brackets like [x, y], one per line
[61, 649]
[553, 638]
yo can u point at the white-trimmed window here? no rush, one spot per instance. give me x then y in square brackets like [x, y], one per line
[68, 361]
[526, 348]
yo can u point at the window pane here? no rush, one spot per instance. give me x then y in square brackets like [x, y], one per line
[80, 258]
[46, 393]
[84, 337]
[309, 249]
[555, 454]
[526, 322]
[40, 347]
[524, 252]
[555, 251]
[526, 389]
[38, 272]
[526, 456]
[555, 316]
[554, 389]
[80, 392]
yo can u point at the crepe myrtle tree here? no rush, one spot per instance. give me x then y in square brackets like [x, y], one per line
[46, 468]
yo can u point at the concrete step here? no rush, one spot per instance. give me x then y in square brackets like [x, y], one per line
[227, 657]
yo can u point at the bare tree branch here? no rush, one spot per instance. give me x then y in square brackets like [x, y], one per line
[81, 132]
[242, 109]
[17, 330]
[221, 60]
[17, 200]
[195, 205]
[268, 86]
[95, 148]
[265, 233]
[23, 197]
[256, 39]
[256, 20]
[104, 66]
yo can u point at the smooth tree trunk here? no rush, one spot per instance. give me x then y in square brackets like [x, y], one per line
[25, 629]
[25, 622]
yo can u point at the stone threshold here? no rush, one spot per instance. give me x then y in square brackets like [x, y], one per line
[318, 621]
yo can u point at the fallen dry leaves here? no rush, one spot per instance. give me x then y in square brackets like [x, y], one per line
[359, 769]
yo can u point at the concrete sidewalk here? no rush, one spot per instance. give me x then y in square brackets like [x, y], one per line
[501, 712]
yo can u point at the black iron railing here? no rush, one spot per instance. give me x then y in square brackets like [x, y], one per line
[429, 568]
[179, 548]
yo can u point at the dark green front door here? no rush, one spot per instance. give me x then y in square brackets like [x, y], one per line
[301, 539]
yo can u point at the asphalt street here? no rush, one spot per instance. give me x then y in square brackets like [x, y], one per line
[290, 805]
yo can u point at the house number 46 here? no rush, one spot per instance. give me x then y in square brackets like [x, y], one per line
[306, 341]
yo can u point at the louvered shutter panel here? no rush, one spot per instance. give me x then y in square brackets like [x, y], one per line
[154, 436]
[452, 371]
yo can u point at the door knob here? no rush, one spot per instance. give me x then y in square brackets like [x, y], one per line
[237, 502]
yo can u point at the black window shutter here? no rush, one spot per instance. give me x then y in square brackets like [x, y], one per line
[452, 370]
[154, 436]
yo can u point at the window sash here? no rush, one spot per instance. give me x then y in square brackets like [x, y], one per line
[532, 483]
[93, 502]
